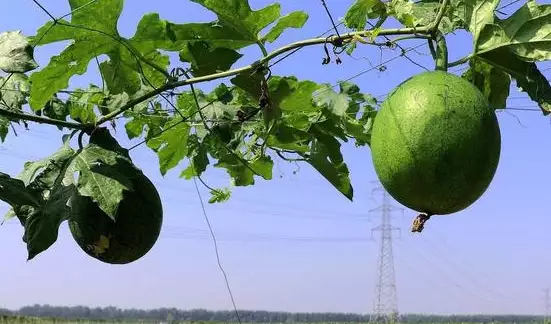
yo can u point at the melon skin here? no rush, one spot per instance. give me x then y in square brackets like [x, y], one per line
[138, 223]
[436, 143]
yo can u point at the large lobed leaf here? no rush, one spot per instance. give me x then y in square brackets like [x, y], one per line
[101, 168]
[42, 224]
[492, 81]
[238, 15]
[51, 187]
[14, 192]
[94, 31]
[511, 46]
[515, 44]
[295, 19]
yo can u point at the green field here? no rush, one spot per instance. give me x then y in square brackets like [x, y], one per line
[38, 320]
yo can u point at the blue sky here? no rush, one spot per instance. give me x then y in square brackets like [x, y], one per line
[295, 243]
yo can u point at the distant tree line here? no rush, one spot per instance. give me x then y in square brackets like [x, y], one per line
[248, 316]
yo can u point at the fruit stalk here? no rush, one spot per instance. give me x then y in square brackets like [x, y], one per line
[441, 52]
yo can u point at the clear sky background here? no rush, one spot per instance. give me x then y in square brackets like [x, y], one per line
[295, 243]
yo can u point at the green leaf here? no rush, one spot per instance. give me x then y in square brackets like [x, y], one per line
[293, 96]
[219, 195]
[98, 35]
[197, 152]
[424, 12]
[56, 109]
[40, 178]
[153, 32]
[326, 157]
[43, 173]
[336, 103]
[14, 192]
[288, 97]
[295, 19]
[514, 44]
[216, 106]
[250, 83]
[42, 225]
[242, 172]
[347, 113]
[493, 82]
[238, 15]
[82, 103]
[527, 75]
[118, 73]
[171, 145]
[479, 14]
[13, 95]
[101, 167]
[526, 33]
[403, 10]
[357, 15]
[112, 102]
[286, 137]
[140, 120]
[52, 186]
[16, 54]
[72, 61]
[14, 92]
[207, 60]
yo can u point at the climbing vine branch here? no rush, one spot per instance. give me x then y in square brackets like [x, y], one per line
[429, 31]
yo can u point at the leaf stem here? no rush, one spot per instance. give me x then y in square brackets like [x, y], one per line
[262, 48]
[283, 157]
[461, 61]
[203, 181]
[381, 21]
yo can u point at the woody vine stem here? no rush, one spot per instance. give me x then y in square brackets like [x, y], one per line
[430, 31]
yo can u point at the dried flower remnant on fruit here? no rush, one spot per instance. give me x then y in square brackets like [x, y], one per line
[419, 223]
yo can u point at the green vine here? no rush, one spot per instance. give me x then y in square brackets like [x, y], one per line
[254, 117]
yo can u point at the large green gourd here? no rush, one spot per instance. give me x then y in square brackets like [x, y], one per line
[138, 223]
[436, 143]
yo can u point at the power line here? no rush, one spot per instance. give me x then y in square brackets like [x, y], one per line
[464, 261]
[473, 279]
[436, 268]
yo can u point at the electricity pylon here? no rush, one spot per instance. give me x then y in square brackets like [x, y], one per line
[385, 308]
